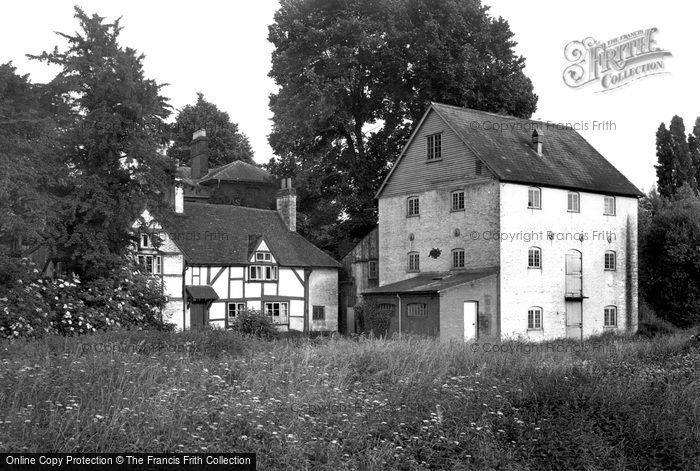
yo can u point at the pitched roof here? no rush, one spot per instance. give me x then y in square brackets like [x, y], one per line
[201, 293]
[567, 160]
[433, 282]
[219, 234]
[237, 171]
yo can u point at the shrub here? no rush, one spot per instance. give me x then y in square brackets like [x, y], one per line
[33, 307]
[372, 318]
[254, 322]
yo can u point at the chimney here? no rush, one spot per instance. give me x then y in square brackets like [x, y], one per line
[199, 154]
[179, 199]
[538, 140]
[287, 204]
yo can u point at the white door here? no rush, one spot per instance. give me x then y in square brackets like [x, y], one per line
[470, 310]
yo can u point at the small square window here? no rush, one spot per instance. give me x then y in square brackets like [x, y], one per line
[235, 309]
[434, 145]
[458, 200]
[319, 313]
[609, 209]
[413, 206]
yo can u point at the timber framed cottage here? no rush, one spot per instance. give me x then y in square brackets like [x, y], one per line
[216, 260]
[499, 227]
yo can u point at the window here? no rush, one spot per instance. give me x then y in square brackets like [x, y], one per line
[534, 257]
[534, 318]
[413, 261]
[458, 200]
[235, 308]
[610, 260]
[458, 258]
[413, 206]
[533, 198]
[573, 202]
[416, 309]
[373, 270]
[319, 313]
[262, 272]
[150, 264]
[387, 307]
[434, 142]
[263, 257]
[196, 275]
[145, 241]
[278, 311]
[609, 209]
[478, 167]
[610, 316]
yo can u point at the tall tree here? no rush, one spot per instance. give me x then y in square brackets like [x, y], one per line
[226, 143]
[354, 75]
[113, 140]
[30, 171]
[694, 149]
[666, 166]
[685, 173]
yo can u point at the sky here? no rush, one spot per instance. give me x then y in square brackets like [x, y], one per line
[220, 48]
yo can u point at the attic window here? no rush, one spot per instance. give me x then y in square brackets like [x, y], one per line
[434, 146]
[478, 167]
[263, 257]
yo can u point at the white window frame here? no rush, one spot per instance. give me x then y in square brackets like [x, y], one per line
[531, 203]
[606, 210]
[457, 197]
[145, 241]
[534, 257]
[278, 310]
[433, 147]
[458, 258]
[572, 197]
[610, 316]
[413, 206]
[156, 263]
[613, 255]
[413, 262]
[263, 273]
[263, 257]
[237, 306]
[534, 318]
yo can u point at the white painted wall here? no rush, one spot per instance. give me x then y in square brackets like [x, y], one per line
[522, 288]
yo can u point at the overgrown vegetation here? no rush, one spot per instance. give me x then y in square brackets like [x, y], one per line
[329, 403]
[372, 318]
[254, 322]
[33, 307]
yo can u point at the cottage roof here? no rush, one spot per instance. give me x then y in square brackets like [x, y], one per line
[219, 234]
[434, 282]
[504, 145]
[237, 171]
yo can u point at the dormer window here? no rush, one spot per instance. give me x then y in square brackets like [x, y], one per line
[263, 257]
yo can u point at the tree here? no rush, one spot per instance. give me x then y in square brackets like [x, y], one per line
[669, 254]
[113, 135]
[355, 75]
[31, 170]
[694, 149]
[665, 168]
[226, 143]
[685, 173]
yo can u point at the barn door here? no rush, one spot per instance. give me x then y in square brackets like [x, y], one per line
[574, 320]
[470, 317]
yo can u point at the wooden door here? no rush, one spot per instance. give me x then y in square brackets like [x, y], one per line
[198, 315]
[574, 320]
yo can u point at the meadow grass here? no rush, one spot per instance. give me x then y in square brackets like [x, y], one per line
[338, 403]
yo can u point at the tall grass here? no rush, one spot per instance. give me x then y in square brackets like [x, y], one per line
[337, 403]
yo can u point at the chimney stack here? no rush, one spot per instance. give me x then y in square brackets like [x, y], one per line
[199, 154]
[538, 140]
[287, 204]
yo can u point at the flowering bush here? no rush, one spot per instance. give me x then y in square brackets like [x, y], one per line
[32, 307]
